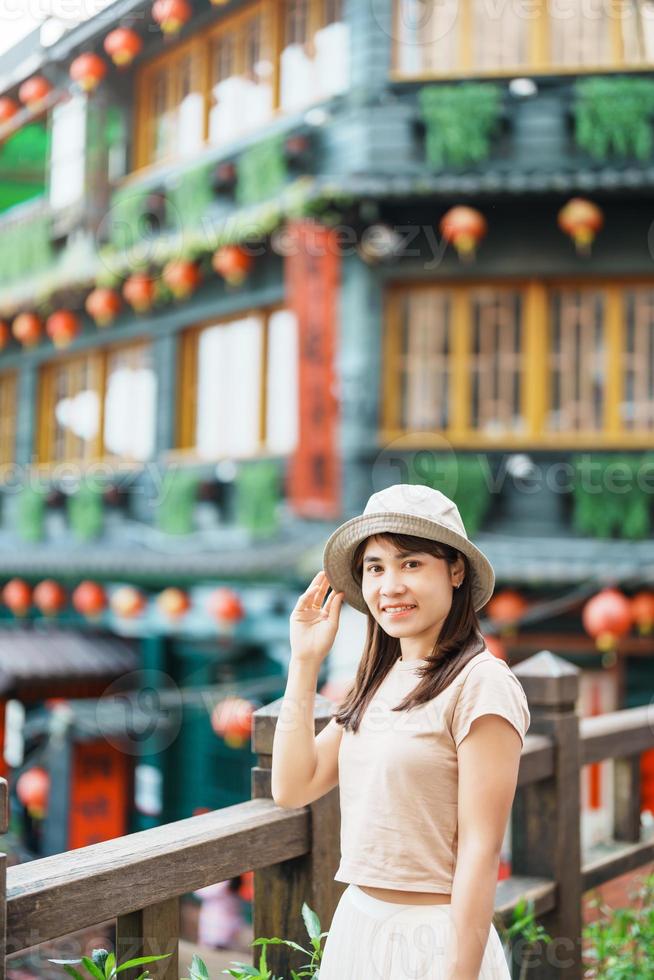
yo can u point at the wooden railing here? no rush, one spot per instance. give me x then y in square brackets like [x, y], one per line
[138, 880]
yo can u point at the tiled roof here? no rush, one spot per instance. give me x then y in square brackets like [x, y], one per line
[47, 655]
[265, 559]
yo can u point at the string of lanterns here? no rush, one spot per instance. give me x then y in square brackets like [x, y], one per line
[606, 617]
[90, 599]
[140, 291]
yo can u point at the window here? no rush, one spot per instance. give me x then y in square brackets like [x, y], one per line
[242, 75]
[637, 403]
[8, 396]
[314, 57]
[577, 361]
[239, 378]
[271, 56]
[67, 153]
[535, 363]
[445, 37]
[171, 104]
[496, 361]
[98, 404]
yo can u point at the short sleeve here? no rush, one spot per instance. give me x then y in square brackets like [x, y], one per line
[490, 688]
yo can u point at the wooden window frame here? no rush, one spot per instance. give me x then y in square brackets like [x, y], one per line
[538, 45]
[187, 379]
[8, 405]
[199, 46]
[536, 296]
[46, 429]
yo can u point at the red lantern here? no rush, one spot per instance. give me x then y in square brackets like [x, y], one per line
[122, 46]
[5, 334]
[32, 789]
[128, 602]
[182, 277]
[33, 91]
[17, 596]
[171, 15]
[89, 599]
[139, 291]
[642, 611]
[88, 70]
[26, 328]
[225, 606]
[103, 305]
[246, 889]
[581, 219]
[8, 109]
[464, 227]
[232, 263]
[62, 327]
[506, 608]
[173, 603]
[49, 597]
[607, 617]
[232, 720]
[496, 646]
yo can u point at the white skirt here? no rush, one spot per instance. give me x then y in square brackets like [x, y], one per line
[370, 939]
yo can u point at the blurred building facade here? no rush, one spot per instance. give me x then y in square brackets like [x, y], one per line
[261, 259]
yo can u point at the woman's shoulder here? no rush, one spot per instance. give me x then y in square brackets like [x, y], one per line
[486, 666]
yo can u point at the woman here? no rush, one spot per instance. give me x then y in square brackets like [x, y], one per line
[425, 747]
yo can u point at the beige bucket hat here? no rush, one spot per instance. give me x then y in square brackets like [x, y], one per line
[404, 508]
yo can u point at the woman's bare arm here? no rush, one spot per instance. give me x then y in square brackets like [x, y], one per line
[305, 767]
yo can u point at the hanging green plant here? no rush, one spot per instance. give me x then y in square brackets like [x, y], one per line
[26, 247]
[257, 496]
[30, 513]
[610, 497]
[188, 201]
[467, 480]
[177, 506]
[85, 510]
[261, 171]
[613, 117]
[127, 222]
[460, 122]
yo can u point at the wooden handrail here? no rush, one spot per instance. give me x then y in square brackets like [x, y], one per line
[138, 879]
[56, 895]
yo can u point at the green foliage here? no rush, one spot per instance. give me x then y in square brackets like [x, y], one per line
[23, 159]
[188, 201]
[177, 505]
[465, 479]
[128, 226]
[243, 971]
[86, 512]
[101, 965]
[30, 513]
[620, 943]
[25, 247]
[523, 926]
[261, 171]
[460, 122]
[610, 495]
[257, 496]
[613, 116]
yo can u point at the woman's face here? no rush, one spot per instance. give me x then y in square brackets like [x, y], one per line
[419, 580]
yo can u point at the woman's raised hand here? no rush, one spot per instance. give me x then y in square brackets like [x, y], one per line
[313, 626]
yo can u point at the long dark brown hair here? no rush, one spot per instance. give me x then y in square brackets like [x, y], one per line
[458, 641]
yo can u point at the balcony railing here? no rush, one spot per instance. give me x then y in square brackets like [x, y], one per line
[138, 880]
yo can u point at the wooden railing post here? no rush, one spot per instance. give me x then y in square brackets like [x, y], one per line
[151, 931]
[281, 889]
[545, 820]
[4, 827]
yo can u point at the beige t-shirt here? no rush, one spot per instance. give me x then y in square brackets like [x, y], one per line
[398, 775]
